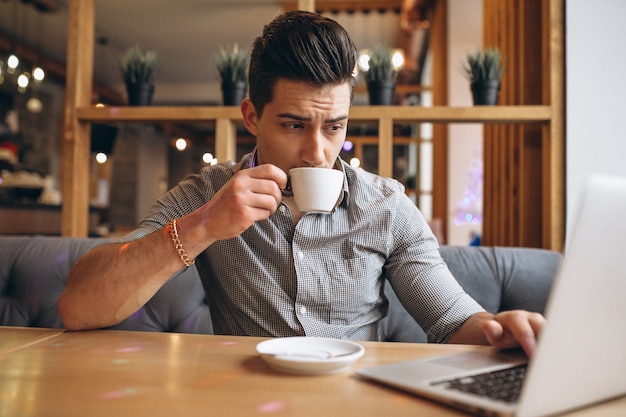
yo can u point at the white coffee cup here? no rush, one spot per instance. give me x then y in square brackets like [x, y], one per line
[316, 189]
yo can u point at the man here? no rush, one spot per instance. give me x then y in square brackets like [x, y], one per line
[269, 269]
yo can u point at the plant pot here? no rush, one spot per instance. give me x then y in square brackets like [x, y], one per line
[485, 92]
[233, 92]
[381, 93]
[139, 94]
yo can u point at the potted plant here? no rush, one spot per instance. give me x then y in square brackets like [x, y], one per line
[381, 76]
[232, 67]
[138, 70]
[484, 70]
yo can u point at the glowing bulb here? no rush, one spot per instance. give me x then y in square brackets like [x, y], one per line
[355, 162]
[207, 158]
[364, 61]
[13, 62]
[34, 105]
[397, 59]
[101, 157]
[22, 81]
[39, 74]
[181, 144]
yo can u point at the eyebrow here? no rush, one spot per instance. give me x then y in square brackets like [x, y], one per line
[306, 119]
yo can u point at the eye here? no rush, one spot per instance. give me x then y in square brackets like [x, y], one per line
[336, 128]
[292, 125]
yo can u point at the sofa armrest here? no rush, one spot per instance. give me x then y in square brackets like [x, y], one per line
[179, 306]
[33, 273]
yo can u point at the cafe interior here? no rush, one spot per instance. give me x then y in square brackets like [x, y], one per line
[80, 165]
[444, 159]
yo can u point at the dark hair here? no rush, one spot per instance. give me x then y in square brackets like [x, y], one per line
[300, 46]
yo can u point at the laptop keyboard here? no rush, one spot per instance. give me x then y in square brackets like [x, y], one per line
[504, 385]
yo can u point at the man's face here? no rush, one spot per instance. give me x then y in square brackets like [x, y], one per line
[302, 126]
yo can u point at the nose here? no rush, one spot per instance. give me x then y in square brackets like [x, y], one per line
[313, 151]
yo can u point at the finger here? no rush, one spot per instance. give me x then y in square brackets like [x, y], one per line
[267, 199]
[527, 330]
[520, 328]
[251, 186]
[496, 336]
[269, 172]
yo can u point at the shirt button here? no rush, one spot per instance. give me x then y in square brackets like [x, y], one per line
[282, 209]
[303, 310]
[300, 255]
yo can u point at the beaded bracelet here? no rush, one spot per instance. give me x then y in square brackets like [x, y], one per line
[178, 245]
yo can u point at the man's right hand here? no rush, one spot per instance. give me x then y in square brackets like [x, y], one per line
[249, 196]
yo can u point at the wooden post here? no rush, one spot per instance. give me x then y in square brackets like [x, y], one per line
[554, 232]
[385, 147]
[439, 48]
[76, 141]
[308, 5]
[225, 140]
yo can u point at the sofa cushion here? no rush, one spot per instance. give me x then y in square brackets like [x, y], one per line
[498, 278]
[32, 276]
[33, 271]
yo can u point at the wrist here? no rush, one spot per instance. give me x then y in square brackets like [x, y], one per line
[178, 246]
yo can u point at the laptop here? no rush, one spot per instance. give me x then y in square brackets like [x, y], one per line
[581, 355]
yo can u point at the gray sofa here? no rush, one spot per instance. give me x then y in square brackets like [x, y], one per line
[33, 271]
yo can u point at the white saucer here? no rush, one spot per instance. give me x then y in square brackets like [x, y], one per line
[310, 355]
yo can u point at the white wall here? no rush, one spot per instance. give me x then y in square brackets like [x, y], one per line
[595, 92]
[465, 140]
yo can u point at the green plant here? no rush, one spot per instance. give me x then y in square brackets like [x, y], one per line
[484, 65]
[138, 67]
[232, 63]
[381, 66]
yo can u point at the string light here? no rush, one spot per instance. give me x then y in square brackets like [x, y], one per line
[397, 59]
[181, 144]
[12, 63]
[39, 74]
[101, 157]
[13, 67]
[23, 80]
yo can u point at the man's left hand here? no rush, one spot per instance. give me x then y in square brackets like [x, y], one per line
[514, 328]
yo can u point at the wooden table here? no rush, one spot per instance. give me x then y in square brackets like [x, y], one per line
[46, 372]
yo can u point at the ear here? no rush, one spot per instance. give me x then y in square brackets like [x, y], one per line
[249, 116]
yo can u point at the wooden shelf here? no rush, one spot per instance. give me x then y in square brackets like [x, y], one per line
[440, 114]
[482, 114]
[547, 153]
[157, 114]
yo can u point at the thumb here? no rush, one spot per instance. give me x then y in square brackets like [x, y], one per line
[494, 332]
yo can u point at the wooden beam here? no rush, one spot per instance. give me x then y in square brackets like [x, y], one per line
[409, 114]
[439, 48]
[76, 141]
[555, 238]
[385, 147]
[308, 5]
[336, 6]
[225, 140]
